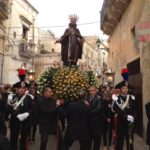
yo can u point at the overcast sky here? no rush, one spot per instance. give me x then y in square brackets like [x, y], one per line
[56, 12]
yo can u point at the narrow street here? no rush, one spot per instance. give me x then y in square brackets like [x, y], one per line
[81, 63]
[138, 145]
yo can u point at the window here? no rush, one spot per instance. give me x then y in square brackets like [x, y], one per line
[25, 32]
[133, 31]
[14, 35]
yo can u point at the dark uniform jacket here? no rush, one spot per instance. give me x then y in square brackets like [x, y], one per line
[77, 114]
[25, 106]
[96, 115]
[130, 108]
[148, 124]
[47, 113]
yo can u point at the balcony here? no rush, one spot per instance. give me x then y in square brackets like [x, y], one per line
[3, 10]
[26, 50]
[111, 14]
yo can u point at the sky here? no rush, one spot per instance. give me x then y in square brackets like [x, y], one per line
[56, 12]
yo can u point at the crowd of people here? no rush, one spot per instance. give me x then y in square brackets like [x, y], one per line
[103, 116]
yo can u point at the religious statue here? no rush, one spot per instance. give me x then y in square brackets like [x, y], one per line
[71, 43]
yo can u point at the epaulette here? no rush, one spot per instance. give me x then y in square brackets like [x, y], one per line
[133, 97]
[32, 97]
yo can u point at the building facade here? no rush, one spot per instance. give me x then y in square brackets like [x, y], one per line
[4, 14]
[95, 57]
[49, 53]
[119, 20]
[21, 39]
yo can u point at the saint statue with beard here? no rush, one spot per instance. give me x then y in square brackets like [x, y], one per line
[71, 43]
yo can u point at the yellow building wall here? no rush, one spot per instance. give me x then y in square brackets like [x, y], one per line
[123, 48]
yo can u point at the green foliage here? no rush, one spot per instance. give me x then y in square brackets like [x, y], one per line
[92, 78]
[46, 78]
[67, 82]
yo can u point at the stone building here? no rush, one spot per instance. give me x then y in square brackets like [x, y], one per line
[95, 56]
[21, 39]
[119, 20]
[4, 14]
[48, 51]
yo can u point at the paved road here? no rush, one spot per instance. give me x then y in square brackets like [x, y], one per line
[51, 144]
[139, 144]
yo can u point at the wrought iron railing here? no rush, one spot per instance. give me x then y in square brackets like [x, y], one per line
[25, 50]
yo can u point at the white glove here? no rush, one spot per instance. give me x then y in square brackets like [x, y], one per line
[23, 116]
[114, 97]
[10, 97]
[20, 117]
[130, 118]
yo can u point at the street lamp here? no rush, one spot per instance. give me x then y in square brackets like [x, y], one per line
[110, 77]
[31, 75]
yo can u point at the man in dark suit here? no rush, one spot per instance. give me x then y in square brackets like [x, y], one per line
[34, 114]
[77, 114]
[96, 119]
[48, 109]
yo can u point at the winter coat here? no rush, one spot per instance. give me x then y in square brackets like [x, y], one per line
[77, 114]
[47, 115]
[96, 116]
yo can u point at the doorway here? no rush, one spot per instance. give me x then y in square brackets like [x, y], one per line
[135, 81]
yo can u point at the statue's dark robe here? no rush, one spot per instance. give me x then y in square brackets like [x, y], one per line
[71, 46]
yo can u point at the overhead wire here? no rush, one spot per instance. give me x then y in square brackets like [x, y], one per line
[60, 26]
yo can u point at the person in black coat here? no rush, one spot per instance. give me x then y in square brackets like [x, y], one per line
[77, 114]
[125, 107]
[147, 106]
[34, 114]
[96, 117]
[48, 109]
[108, 118]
